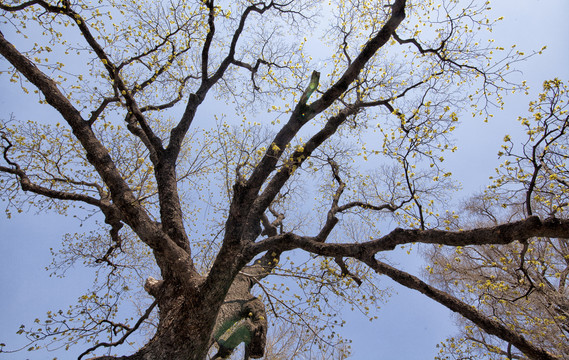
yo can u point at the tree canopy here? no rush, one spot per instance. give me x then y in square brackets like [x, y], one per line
[244, 165]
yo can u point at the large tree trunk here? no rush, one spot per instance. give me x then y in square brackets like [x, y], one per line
[189, 324]
[185, 324]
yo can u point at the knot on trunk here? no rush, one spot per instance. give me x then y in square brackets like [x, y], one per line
[153, 286]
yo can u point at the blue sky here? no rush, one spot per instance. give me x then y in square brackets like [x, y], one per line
[409, 325]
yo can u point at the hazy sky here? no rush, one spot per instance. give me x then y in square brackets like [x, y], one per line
[409, 325]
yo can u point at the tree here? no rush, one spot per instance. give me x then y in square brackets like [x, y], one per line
[121, 149]
[522, 285]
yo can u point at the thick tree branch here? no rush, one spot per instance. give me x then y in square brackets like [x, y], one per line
[179, 132]
[497, 235]
[296, 160]
[27, 4]
[352, 72]
[208, 38]
[151, 138]
[468, 311]
[302, 113]
[254, 68]
[122, 196]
